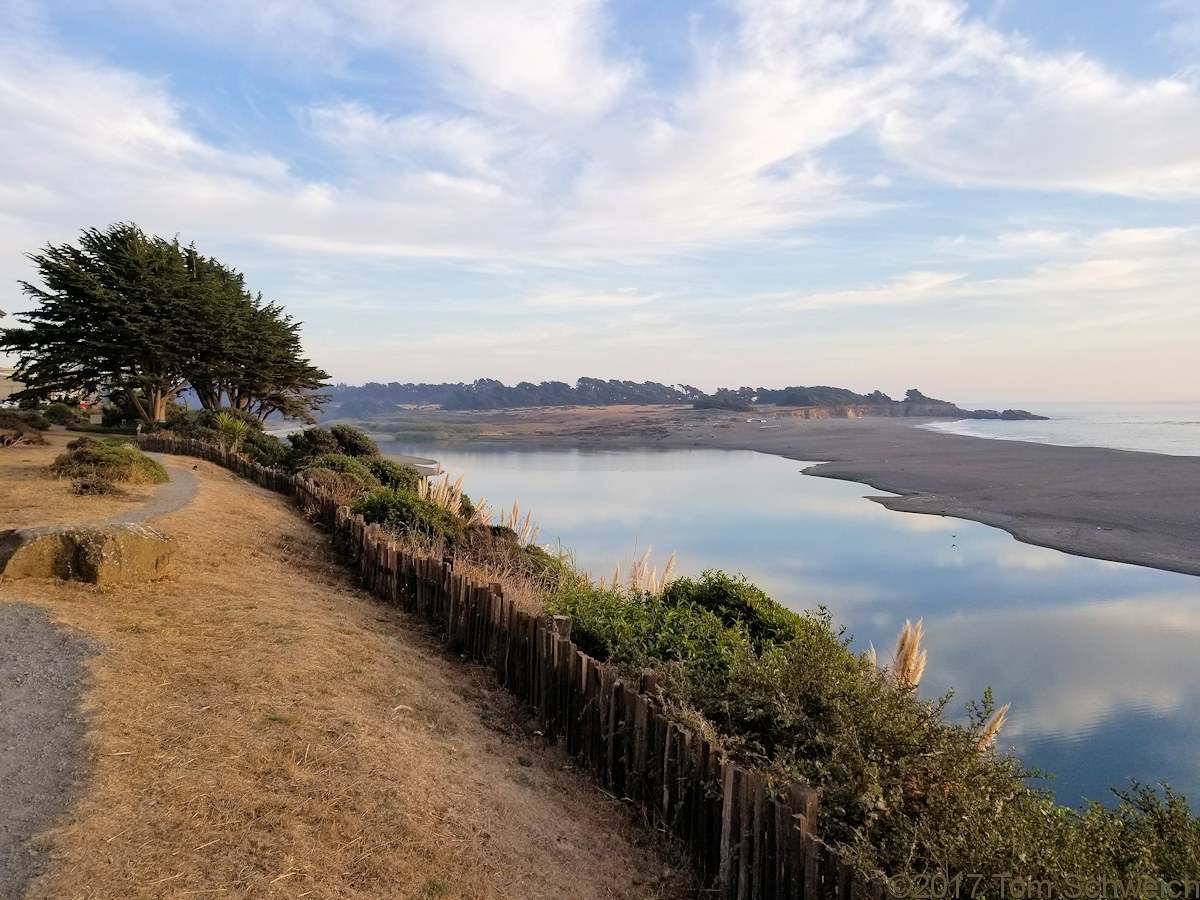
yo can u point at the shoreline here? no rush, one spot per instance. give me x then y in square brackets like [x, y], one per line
[1117, 505]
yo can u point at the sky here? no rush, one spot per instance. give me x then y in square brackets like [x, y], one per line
[991, 201]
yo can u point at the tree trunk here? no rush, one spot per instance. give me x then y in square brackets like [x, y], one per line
[157, 405]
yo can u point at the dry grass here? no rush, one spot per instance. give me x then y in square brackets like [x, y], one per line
[641, 576]
[259, 729]
[908, 662]
[31, 496]
[442, 493]
[992, 728]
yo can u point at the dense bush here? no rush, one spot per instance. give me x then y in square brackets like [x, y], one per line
[31, 417]
[356, 478]
[205, 425]
[737, 603]
[265, 449]
[903, 789]
[62, 414]
[93, 485]
[113, 461]
[403, 511]
[353, 442]
[310, 443]
[497, 548]
[209, 418]
[392, 474]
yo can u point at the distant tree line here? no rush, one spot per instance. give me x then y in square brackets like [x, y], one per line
[374, 398]
[487, 393]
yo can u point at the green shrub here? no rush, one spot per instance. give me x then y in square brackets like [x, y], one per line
[62, 414]
[113, 461]
[112, 416]
[353, 442]
[402, 511]
[265, 449]
[230, 430]
[31, 417]
[345, 476]
[786, 694]
[309, 444]
[737, 602]
[202, 425]
[351, 465]
[903, 789]
[392, 474]
[208, 418]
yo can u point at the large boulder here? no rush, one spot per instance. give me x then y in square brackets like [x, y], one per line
[99, 554]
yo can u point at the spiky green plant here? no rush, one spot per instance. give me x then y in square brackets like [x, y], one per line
[230, 430]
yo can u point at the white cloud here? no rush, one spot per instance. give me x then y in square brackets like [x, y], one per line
[523, 56]
[547, 57]
[533, 144]
[908, 289]
[522, 140]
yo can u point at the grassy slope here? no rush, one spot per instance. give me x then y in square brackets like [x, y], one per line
[260, 728]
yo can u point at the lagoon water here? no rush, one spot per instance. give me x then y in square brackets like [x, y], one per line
[1098, 659]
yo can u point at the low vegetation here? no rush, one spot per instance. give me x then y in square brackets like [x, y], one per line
[21, 427]
[904, 790]
[69, 415]
[94, 462]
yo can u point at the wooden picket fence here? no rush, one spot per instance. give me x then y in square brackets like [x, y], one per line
[748, 842]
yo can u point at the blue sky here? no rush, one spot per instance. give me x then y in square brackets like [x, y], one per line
[992, 201]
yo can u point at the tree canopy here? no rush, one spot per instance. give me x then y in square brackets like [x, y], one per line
[145, 317]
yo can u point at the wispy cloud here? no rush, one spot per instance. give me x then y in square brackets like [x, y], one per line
[537, 148]
[909, 289]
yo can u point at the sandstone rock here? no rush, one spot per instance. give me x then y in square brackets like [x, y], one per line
[99, 554]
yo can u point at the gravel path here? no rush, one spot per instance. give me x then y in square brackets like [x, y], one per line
[173, 495]
[41, 735]
[42, 670]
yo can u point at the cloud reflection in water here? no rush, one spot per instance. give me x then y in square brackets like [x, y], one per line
[1097, 658]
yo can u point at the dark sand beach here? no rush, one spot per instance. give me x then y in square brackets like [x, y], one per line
[1140, 508]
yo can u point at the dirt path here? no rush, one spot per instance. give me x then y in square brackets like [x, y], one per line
[258, 728]
[42, 671]
[41, 735]
[167, 498]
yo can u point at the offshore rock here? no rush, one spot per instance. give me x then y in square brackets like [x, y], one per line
[98, 554]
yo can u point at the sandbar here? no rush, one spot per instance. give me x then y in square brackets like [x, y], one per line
[1124, 506]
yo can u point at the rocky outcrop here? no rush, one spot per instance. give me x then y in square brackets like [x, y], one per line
[99, 554]
[1009, 415]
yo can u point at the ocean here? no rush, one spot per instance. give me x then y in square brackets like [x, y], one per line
[1171, 428]
[1097, 657]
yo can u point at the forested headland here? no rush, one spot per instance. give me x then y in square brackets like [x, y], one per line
[374, 398]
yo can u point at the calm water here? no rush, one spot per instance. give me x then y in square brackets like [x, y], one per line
[1098, 659]
[1172, 428]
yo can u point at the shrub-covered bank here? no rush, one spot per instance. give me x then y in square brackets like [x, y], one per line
[904, 789]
